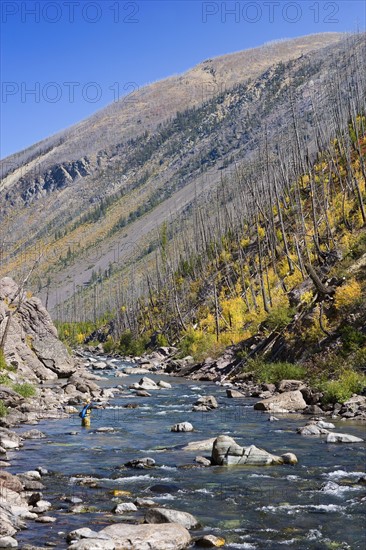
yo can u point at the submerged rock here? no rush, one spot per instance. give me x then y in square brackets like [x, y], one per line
[343, 438]
[124, 507]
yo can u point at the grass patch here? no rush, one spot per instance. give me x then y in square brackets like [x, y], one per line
[3, 409]
[3, 365]
[25, 390]
[341, 389]
[271, 373]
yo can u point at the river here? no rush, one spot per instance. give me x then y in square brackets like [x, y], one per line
[251, 507]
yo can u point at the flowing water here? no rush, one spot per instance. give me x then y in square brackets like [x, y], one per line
[251, 507]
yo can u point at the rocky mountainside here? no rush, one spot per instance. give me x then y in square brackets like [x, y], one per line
[105, 186]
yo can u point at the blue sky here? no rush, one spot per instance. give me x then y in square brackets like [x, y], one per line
[62, 60]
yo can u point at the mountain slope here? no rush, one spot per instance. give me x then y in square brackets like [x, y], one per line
[106, 185]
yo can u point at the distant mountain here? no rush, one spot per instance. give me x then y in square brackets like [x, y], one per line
[90, 202]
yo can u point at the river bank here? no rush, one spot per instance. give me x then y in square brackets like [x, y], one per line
[248, 506]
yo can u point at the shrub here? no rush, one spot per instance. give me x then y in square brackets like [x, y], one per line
[200, 344]
[352, 339]
[25, 390]
[348, 295]
[275, 372]
[279, 317]
[3, 365]
[109, 345]
[338, 391]
[3, 409]
[128, 345]
[5, 380]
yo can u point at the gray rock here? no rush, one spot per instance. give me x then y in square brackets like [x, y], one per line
[143, 393]
[33, 434]
[182, 427]
[203, 461]
[84, 533]
[165, 515]
[226, 452]
[312, 428]
[147, 384]
[343, 438]
[8, 542]
[285, 402]
[234, 393]
[145, 502]
[124, 507]
[290, 385]
[145, 462]
[289, 458]
[165, 385]
[205, 403]
[46, 519]
[99, 365]
[9, 481]
[9, 439]
[170, 536]
[202, 445]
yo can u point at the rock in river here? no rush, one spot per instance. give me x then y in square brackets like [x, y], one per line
[226, 452]
[285, 402]
[182, 427]
[205, 403]
[164, 515]
[343, 438]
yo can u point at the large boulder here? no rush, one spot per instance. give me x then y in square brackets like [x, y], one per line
[285, 402]
[169, 536]
[164, 515]
[226, 452]
[206, 403]
[9, 439]
[32, 344]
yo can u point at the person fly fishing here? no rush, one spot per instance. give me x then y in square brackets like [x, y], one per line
[85, 413]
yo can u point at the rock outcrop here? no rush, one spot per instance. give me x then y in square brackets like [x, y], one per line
[32, 344]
